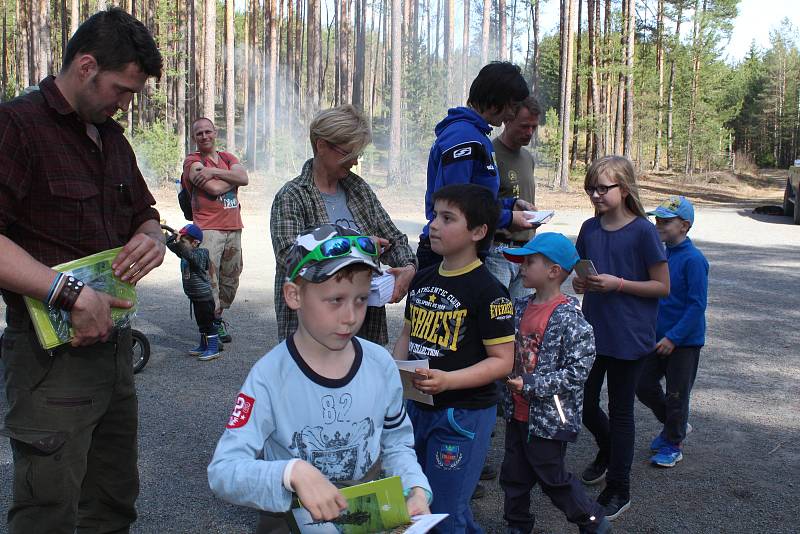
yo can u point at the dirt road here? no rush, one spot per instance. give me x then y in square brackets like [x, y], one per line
[741, 468]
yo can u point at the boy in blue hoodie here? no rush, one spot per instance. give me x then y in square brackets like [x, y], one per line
[680, 329]
[463, 153]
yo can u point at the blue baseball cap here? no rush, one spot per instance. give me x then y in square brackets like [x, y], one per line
[554, 246]
[675, 206]
[193, 231]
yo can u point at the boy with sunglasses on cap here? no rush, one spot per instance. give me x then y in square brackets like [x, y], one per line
[195, 273]
[554, 351]
[323, 408]
[680, 330]
[459, 318]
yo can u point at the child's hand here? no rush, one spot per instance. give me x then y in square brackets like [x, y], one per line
[435, 382]
[602, 283]
[417, 502]
[579, 285]
[665, 347]
[321, 498]
[515, 384]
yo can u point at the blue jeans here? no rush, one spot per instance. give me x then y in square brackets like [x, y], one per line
[451, 446]
[670, 408]
[507, 273]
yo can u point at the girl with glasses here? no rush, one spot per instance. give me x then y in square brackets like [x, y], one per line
[621, 304]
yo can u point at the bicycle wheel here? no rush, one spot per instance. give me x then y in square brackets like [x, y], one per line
[140, 350]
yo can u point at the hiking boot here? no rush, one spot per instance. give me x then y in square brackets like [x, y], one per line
[595, 472]
[212, 350]
[614, 502]
[201, 348]
[479, 493]
[667, 456]
[222, 331]
[489, 472]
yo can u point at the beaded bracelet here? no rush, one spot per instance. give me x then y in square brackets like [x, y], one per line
[69, 293]
[55, 287]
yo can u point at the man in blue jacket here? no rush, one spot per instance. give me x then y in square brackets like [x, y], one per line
[463, 153]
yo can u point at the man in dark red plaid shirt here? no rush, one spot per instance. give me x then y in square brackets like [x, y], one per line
[70, 187]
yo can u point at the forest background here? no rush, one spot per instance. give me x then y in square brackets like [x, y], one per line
[645, 78]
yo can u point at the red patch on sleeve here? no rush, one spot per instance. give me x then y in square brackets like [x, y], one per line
[241, 412]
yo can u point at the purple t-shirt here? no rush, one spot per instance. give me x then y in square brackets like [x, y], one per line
[624, 325]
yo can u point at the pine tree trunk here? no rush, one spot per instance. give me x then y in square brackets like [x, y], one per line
[361, 54]
[252, 89]
[566, 88]
[271, 82]
[697, 35]
[597, 113]
[671, 89]
[502, 30]
[180, 112]
[465, 54]
[485, 27]
[660, 68]
[536, 50]
[629, 50]
[619, 123]
[449, 38]
[209, 59]
[394, 175]
[574, 155]
[230, 82]
[74, 17]
[314, 57]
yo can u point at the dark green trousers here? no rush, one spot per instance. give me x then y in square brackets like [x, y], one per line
[72, 420]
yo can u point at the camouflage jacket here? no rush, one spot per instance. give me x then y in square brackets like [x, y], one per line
[565, 356]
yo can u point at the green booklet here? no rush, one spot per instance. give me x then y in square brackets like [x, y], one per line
[377, 506]
[53, 326]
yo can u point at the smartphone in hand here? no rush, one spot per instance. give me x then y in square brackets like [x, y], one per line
[585, 268]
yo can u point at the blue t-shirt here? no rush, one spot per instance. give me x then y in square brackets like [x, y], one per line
[624, 324]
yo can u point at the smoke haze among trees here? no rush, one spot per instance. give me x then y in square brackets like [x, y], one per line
[644, 78]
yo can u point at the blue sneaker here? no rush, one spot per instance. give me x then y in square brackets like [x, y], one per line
[660, 441]
[667, 456]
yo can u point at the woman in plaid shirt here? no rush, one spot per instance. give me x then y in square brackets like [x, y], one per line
[328, 192]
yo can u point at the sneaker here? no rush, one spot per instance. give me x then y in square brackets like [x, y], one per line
[667, 456]
[614, 502]
[660, 441]
[596, 471]
[479, 493]
[222, 332]
[489, 472]
[595, 526]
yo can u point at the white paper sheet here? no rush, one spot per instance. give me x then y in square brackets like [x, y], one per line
[424, 523]
[407, 374]
[381, 289]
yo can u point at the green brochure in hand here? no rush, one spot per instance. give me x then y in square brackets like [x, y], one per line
[377, 506]
[53, 326]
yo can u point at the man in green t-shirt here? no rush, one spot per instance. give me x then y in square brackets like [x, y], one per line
[515, 165]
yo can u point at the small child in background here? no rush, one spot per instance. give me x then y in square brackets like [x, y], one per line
[680, 331]
[195, 267]
[554, 350]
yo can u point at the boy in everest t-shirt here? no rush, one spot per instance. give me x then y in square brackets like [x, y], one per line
[323, 408]
[553, 355]
[460, 319]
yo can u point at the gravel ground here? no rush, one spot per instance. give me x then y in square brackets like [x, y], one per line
[741, 469]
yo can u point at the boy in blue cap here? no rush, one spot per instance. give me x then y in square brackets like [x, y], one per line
[680, 330]
[195, 267]
[554, 351]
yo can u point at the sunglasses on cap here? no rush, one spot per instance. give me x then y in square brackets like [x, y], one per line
[336, 247]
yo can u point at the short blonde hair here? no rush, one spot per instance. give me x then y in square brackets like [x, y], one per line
[342, 125]
[619, 169]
